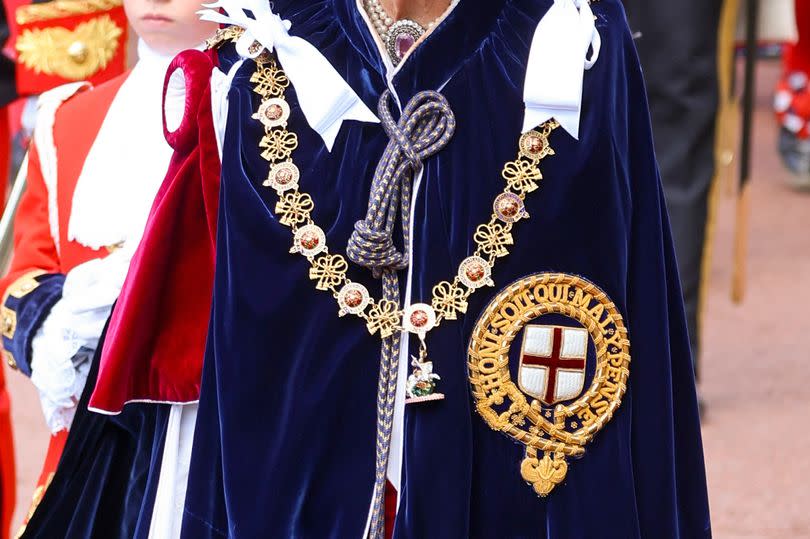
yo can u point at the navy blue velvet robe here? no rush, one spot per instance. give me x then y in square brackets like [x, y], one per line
[284, 445]
[105, 484]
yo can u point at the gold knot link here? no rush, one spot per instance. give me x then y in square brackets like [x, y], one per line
[224, 35]
[294, 208]
[278, 145]
[493, 238]
[521, 176]
[269, 81]
[449, 300]
[329, 271]
[383, 317]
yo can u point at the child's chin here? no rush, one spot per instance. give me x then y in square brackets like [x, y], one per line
[162, 41]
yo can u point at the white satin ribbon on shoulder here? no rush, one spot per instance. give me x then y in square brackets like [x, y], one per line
[557, 60]
[326, 99]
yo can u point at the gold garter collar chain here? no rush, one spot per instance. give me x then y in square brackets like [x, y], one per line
[328, 270]
[556, 435]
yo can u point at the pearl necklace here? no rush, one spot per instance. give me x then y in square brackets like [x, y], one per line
[400, 36]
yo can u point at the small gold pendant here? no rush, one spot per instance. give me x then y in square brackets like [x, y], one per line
[422, 382]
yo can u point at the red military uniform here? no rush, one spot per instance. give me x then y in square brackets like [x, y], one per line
[54, 42]
[41, 211]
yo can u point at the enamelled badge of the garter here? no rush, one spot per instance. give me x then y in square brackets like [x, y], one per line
[549, 360]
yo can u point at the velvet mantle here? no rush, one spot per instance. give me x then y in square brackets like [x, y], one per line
[284, 445]
[106, 480]
[104, 485]
[157, 332]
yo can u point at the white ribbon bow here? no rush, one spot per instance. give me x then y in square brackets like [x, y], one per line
[326, 99]
[553, 87]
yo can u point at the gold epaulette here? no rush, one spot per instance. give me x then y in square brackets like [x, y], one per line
[65, 41]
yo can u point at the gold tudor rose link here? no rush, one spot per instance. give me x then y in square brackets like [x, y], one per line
[294, 209]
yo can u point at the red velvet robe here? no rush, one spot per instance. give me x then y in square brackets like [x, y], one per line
[156, 336]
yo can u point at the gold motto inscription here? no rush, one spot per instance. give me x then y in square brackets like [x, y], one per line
[550, 434]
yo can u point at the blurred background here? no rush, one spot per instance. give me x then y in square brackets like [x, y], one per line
[730, 102]
[730, 105]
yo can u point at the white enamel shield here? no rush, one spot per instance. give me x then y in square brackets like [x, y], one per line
[552, 362]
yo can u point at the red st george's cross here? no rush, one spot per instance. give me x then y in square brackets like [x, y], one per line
[553, 364]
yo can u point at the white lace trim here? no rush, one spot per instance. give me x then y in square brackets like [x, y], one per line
[58, 382]
[75, 322]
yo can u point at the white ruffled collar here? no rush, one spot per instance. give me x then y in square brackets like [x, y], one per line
[127, 161]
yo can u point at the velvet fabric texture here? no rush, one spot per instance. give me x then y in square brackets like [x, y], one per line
[107, 476]
[158, 330]
[31, 310]
[284, 445]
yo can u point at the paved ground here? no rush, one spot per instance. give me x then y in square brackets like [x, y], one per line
[756, 369]
[30, 439]
[756, 365]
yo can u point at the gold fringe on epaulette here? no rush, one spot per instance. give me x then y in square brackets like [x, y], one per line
[56, 9]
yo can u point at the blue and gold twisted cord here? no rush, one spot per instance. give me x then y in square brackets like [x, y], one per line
[425, 127]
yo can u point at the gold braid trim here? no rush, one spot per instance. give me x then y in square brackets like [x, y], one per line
[57, 9]
[21, 287]
[228, 34]
[558, 431]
